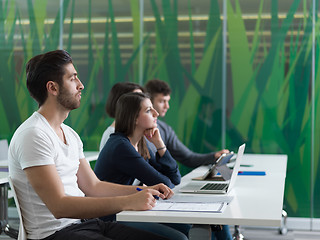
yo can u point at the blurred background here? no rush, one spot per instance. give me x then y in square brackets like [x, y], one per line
[240, 71]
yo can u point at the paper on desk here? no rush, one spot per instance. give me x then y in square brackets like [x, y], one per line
[205, 198]
[189, 203]
[190, 207]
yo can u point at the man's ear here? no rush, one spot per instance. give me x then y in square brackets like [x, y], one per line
[52, 87]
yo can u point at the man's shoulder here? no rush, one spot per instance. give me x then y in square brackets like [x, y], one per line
[31, 125]
[166, 132]
[164, 127]
[162, 124]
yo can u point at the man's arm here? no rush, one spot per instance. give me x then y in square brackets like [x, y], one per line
[47, 184]
[93, 187]
[89, 183]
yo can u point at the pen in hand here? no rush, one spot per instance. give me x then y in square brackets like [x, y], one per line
[155, 196]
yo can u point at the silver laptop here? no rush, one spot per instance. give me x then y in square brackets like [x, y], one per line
[216, 187]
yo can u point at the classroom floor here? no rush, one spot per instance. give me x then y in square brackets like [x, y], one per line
[256, 233]
[272, 234]
[249, 233]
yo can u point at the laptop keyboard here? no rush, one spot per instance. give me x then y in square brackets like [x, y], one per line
[214, 186]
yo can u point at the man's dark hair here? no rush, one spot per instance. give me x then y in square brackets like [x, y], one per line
[156, 86]
[117, 91]
[43, 68]
[127, 111]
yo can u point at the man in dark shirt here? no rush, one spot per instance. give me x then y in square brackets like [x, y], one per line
[160, 96]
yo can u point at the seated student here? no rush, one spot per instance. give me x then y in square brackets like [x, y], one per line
[160, 97]
[116, 91]
[125, 156]
[55, 185]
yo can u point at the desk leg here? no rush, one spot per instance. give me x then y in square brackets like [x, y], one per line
[4, 226]
[237, 234]
[283, 230]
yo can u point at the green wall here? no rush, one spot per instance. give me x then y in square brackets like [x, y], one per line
[265, 54]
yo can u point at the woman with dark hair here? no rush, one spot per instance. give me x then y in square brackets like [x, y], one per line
[116, 91]
[125, 157]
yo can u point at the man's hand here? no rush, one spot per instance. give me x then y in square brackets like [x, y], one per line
[142, 200]
[218, 154]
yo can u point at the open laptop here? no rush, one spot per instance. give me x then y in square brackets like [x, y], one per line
[216, 187]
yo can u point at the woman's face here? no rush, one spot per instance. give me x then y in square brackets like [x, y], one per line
[147, 117]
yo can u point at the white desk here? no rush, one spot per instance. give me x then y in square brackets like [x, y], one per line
[3, 177]
[3, 163]
[258, 200]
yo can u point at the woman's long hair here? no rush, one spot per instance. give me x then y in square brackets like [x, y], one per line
[127, 111]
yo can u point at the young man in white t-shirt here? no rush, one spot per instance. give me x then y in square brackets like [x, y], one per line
[55, 185]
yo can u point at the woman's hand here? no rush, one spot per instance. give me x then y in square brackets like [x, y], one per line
[164, 191]
[153, 135]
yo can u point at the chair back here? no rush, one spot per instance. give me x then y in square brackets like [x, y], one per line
[22, 232]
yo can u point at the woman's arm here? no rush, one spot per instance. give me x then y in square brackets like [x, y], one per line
[167, 166]
[130, 163]
[163, 161]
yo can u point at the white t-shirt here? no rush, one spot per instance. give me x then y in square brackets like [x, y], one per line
[105, 136]
[35, 143]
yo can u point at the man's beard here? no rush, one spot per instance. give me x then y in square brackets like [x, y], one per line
[67, 100]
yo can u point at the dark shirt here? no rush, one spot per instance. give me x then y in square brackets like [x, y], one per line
[119, 162]
[179, 151]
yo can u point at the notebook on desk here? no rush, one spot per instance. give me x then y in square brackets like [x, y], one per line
[216, 187]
